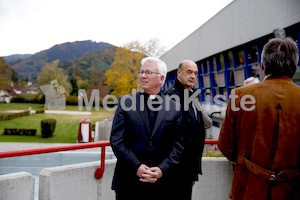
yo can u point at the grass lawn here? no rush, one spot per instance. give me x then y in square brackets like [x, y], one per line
[66, 125]
[20, 106]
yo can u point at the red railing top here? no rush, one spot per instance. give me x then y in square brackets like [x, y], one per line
[211, 141]
[41, 150]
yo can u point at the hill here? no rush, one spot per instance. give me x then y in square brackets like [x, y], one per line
[16, 58]
[91, 63]
[69, 54]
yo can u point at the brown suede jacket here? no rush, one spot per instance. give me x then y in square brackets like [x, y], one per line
[262, 126]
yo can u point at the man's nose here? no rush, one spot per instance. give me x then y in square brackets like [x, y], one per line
[143, 74]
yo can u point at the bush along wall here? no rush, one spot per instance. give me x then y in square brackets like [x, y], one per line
[48, 127]
[19, 131]
[9, 116]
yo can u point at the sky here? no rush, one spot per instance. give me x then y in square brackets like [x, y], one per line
[30, 26]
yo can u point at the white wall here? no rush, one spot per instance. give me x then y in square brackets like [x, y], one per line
[77, 182]
[17, 186]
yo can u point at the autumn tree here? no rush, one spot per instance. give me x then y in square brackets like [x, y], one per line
[122, 77]
[6, 74]
[153, 48]
[50, 72]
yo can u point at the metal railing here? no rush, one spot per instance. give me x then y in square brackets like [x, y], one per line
[207, 141]
[99, 171]
[24, 152]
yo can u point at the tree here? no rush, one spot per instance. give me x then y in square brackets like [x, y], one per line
[6, 74]
[122, 77]
[51, 72]
[153, 48]
[74, 91]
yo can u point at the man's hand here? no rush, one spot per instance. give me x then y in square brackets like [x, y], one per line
[157, 171]
[149, 174]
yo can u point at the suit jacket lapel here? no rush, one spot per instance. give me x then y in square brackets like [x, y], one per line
[141, 109]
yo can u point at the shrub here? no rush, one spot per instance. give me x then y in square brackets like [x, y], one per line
[20, 131]
[213, 151]
[27, 98]
[18, 99]
[39, 111]
[9, 116]
[72, 100]
[48, 127]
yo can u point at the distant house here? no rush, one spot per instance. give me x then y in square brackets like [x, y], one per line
[4, 97]
[14, 89]
[9, 92]
[31, 88]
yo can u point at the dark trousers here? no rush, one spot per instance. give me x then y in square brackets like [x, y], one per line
[145, 191]
[183, 191]
[178, 189]
[145, 196]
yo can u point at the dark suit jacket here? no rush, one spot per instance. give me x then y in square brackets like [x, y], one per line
[134, 144]
[194, 136]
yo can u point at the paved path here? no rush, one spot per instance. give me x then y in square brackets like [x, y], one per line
[67, 112]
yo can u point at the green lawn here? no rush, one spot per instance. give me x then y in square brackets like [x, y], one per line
[20, 106]
[66, 126]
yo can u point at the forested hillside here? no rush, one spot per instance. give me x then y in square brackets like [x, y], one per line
[90, 63]
[83, 56]
[16, 58]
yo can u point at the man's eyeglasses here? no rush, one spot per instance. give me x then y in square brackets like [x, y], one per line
[147, 73]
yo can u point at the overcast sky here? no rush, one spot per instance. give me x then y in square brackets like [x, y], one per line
[30, 26]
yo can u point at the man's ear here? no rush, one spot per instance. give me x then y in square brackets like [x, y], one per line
[178, 71]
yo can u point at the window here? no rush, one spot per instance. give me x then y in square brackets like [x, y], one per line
[206, 82]
[239, 76]
[230, 59]
[214, 64]
[221, 79]
[204, 68]
[240, 58]
[222, 62]
[252, 54]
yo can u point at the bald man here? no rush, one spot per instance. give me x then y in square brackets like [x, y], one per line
[194, 131]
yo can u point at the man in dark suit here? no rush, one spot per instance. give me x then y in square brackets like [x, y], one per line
[147, 138]
[194, 133]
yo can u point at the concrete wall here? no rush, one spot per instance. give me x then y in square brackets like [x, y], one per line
[77, 182]
[215, 182]
[17, 186]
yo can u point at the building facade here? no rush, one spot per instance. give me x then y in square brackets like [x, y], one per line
[227, 48]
